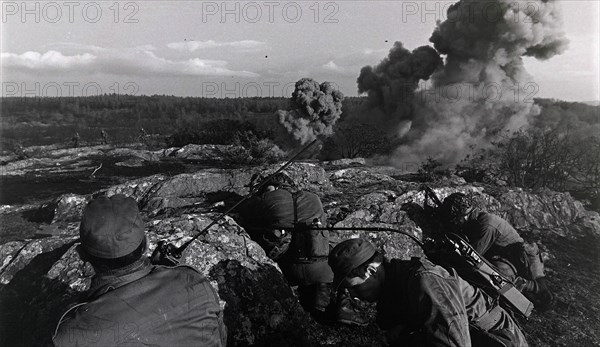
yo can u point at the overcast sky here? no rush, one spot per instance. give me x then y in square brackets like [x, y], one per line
[217, 49]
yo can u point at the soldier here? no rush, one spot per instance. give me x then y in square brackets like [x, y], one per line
[495, 239]
[143, 135]
[132, 302]
[104, 136]
[280, 218]
[420, 303]
[75, 139]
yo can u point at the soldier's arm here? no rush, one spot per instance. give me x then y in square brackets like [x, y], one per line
[441, 311]
[482, 234]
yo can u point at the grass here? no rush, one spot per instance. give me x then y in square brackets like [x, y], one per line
[574, 278]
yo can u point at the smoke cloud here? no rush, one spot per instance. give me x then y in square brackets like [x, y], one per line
[316, 108]
[482, 88]
[391, 84]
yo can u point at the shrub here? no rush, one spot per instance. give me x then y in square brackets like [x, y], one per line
[215, 132]
[248, 148]
[432, 170]
[353, 139]
[558, 159]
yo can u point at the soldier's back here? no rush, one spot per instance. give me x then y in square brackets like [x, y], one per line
[168, 307]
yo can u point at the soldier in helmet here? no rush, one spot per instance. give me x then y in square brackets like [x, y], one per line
[132, 302]
[280, 218]
[495, 239]
[420, 303]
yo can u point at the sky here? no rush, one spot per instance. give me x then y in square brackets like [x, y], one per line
[239, 49]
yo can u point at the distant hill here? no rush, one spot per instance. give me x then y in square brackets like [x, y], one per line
[592, 103]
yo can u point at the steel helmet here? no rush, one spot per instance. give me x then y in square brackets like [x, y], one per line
[456, 206]
[280, 180]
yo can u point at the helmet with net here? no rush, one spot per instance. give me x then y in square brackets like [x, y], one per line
[279, 180]
[456, 206]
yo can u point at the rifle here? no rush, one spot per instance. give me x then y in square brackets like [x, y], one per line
[471, 266]
[483, 274]
[457, 253]
[170, 255]
[430, 194]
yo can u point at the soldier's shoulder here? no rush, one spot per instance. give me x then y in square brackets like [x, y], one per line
[486, 217]
[178, 268]
[66, 320]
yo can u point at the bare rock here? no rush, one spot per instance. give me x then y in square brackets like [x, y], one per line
[189, 189]
[133, 154]
[358, 177]
[136, 189]
[199, 152]
[66, 208]
[381, 210]
[347, 162]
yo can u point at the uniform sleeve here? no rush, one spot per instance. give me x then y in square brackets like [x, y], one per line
[482, 234]
[441, 311]
[213, 330]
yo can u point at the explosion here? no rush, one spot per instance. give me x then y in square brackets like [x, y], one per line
[391, 84]
[482, 88]
[316, 108]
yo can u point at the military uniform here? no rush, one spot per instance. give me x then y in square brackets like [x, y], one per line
[131, 302]
[142, 305]
[303, 260]
[498, 241]
[426, 305]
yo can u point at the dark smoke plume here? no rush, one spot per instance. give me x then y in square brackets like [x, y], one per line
[316, 108]
[482, 89]
[391, 85]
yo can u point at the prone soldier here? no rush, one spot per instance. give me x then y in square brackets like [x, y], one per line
[495, 239]
[420, 303]
[279, 218]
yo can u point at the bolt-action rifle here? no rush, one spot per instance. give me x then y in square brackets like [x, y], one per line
[170, 255]
[455, 252]
[451, 250]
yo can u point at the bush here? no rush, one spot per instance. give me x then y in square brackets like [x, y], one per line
[14, 147]
[215, 132]
[562, 160]
[353, 139]
[248, 148]
[432, 170]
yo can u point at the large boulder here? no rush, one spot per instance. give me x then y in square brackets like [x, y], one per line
[137, 189]
[66, 208]
[199, 152]
[190, 189]
[380, 210]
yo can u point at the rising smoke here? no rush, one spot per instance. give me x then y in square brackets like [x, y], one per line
[391, 85]
[315, 109]
[482, 88]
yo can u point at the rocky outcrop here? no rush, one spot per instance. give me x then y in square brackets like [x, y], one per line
[190, 189]
[66, 208]
[44, 275]
[198, 152]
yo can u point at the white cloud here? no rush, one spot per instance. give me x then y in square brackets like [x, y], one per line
[331, 66]
[371, 51]
[191, 46]
[139, 61]
[51, 60]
